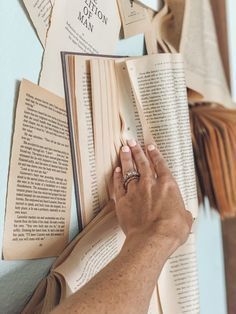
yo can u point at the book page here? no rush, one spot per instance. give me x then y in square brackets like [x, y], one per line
[154, 306]
[178, 282]
[135, 19]
[199, 47]
[87, 126]
[85, 145]
[159, 84]
[157, 25]
[172, 24]
[106, 122]
[92, 253]
[131, 124]
[40, 13]
[79, 26]
[39, 185]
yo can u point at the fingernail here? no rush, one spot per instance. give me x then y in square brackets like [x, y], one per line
[151, 147]
[125, 149]
[132, 143]
[118, 169]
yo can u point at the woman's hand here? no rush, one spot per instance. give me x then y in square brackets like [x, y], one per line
[152, 214]
[151, 206]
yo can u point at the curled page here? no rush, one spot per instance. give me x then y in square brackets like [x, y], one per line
[199, 47]
[39, 185]
[159, 85]
[188, 27]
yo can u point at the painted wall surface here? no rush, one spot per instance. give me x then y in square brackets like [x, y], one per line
[20, 57]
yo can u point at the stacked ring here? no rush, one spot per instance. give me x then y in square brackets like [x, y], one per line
[130, 176]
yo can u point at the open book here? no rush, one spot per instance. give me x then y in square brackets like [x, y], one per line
[110, 100]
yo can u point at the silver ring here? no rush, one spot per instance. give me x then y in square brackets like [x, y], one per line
[130, 176]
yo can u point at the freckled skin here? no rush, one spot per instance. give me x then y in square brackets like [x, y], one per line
[152, 214]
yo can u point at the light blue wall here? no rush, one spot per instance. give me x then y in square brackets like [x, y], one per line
[20, 57]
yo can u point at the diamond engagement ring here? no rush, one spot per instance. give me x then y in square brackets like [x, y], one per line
[130, 176]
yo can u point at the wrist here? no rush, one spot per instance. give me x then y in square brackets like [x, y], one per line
[157, 246]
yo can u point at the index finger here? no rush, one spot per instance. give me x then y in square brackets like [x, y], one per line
[158, 161]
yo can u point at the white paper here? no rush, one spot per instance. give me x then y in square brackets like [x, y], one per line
[78, 26]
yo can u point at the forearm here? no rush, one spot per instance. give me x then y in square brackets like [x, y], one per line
[127, 281]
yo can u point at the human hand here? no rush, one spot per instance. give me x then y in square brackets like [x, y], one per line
[152, 206]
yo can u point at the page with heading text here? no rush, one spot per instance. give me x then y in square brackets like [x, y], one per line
[78, 26]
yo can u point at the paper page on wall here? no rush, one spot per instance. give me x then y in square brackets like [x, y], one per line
[40, 13]
[159, 84]
[78, 26]
[172, 24]
[39, 185]
[135, 19]
[160, 87]
[83, 122]
[199, 47]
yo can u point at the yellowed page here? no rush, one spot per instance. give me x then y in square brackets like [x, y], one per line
[39, 185]
[114, 114]
[134, 17]
[106, 121]
[100, 134]
[40, 13]
[172, 23]
[159, 84]
[79, 26]
[199, 47]
[131, 124]
[157, 23]
[89, 124]
[86, 150]
[84, 125]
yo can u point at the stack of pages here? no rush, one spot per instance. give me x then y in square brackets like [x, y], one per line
[214, 133]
